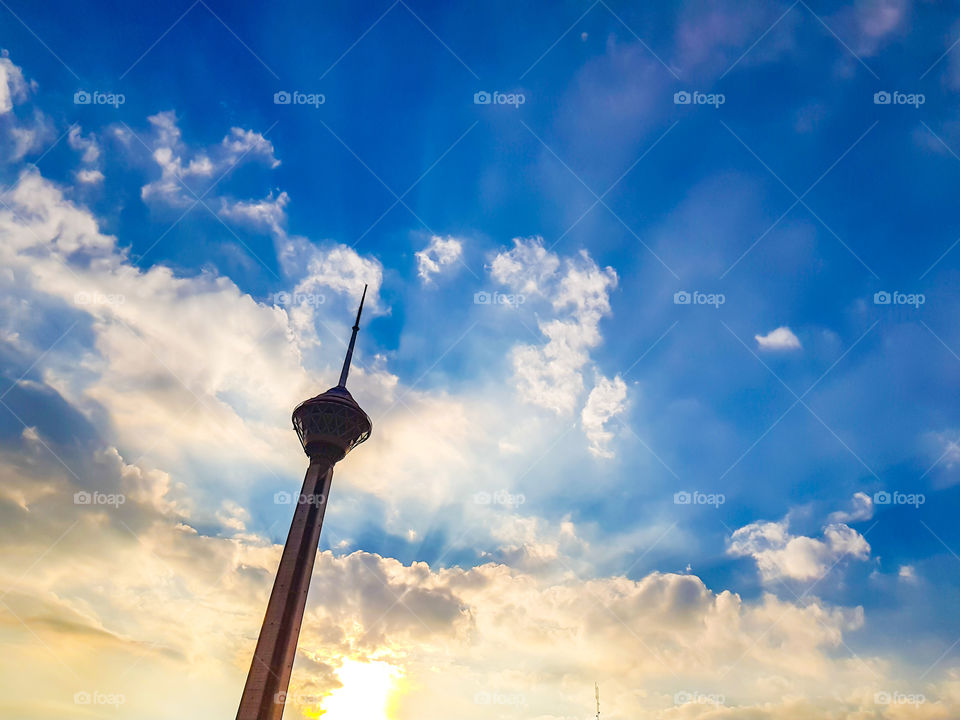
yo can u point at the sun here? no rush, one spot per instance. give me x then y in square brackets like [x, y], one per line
[365, 693]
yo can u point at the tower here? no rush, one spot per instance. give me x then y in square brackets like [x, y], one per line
[329, 426]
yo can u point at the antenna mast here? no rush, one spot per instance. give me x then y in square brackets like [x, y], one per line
[596, 689]
[353, 341]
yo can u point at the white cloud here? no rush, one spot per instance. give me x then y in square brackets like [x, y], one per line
[268, 214]
[89, 177]
[86, 145]
[89, 148]
[550, 375]
[907, 573]
[138, 602]
[862, 509]
[439, 253]
[951, 453]
[780, 339]
[242, 142]
[181, 168]
[146, 368]
[526, 267]
[779, 554]
[28, 136]
[339, 268]
[13, 87]
[192, 374]
[607, 399]
[942, 450]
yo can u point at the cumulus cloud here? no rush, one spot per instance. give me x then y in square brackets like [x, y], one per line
[136, 600]
[137, 587]
[780, 339]
[907, 574]
[338, 268]
[268, 214]
[13, 87]
[87, 176]
[29, 135]
[242, 142]
[861, 509]
[528, 266]
[181, 169]
[607, 399]
[781, 555]
[439, 253]
[192, 373]
[147, 368]
[578, 291]
[89, 148]
[86, 145]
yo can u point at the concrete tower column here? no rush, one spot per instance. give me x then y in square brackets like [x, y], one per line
[265, 691]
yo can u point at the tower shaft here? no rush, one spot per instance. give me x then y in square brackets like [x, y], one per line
[265, 691]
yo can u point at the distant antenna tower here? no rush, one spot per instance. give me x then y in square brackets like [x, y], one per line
[596, 690]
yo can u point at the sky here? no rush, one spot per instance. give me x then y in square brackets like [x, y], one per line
[660, 349]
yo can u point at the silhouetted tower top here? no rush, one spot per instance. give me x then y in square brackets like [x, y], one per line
[332, 423]
[353, 341]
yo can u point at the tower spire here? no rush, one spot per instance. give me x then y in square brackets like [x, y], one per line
[353, 341]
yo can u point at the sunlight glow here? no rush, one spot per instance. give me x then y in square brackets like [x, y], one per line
[365, 694]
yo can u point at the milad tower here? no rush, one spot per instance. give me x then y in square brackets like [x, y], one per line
[329, 426]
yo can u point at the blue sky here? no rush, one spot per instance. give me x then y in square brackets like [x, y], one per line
[182, 268]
